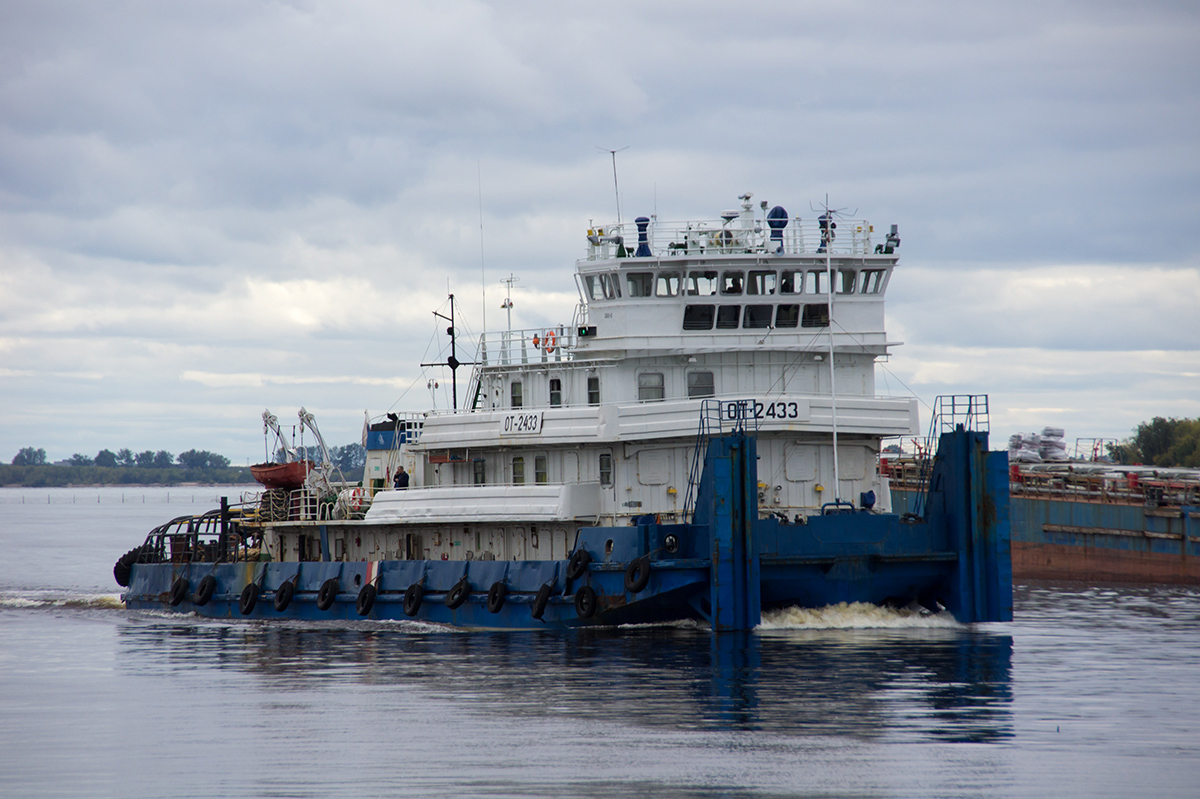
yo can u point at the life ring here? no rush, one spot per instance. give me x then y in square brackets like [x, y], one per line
[249, 599]
[496, 596]
[458, 594]
[355, 502]
[578, 564]
[549, 341]
[585, 602]
[327, 594]
[412, 599]
[366, 599]
[178, 591]
[637, 576]
[283, 595]
[205, 590]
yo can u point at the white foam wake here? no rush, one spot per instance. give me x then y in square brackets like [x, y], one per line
[40, 600]
[853, 616]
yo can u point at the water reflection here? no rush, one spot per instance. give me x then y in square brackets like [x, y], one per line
[953, 685]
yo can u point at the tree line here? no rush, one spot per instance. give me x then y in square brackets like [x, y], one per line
[31, 467]
[1161, 442]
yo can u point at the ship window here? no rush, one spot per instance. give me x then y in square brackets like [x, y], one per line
[640, 284]
[791, 282]
[702, 284]
[698, 317]
[555, 392]
[731, 282]
[612, 287]
[787, 316]
[593, 391]
[480, 471]
[845, 280]
[815, 315]
[700, 384]
[761, 283]
[728, 316]
[757, 316]
[817, 282]
[539, 469]
[605, 469]
[518, 467]
[668, 284]
[594, 286]
[872, 281]
[515, 394]
[650, 386]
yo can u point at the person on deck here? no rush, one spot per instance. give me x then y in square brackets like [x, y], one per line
[401, 480]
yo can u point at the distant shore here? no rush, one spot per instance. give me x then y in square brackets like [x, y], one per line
[65, 476]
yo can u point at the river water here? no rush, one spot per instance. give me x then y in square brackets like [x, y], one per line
[1090, 692]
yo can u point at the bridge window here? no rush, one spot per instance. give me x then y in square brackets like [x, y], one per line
[761, 283]
[791, 281]
[757, 316]
[668, 284]
[516, 395]
[728, 316]
[698, 317]
[732, 282]
[640, 284]
[540, 469]
[518, 470]
[702, 284]
[651, 387]
[605, 469]
[555, 392]
[594, 286]
[872, 281]
[612, 287]
[817, 282]
[845, 280]
[787, 316]
[593, 390]
[700, 384]
[815, 315]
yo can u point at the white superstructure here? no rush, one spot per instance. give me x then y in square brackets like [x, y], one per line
[597, 421]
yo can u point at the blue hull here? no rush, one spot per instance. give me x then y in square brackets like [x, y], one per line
[724, 569]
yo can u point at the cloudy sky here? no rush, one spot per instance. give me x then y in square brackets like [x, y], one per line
[211, 208]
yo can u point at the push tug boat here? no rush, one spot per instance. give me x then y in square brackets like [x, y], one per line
[684, 450]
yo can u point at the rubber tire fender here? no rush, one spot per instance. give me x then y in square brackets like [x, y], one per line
[248, 599]
[586, 602]
[412, 599]
[205, 591]
[366, 599]
[178, 591]
[284, 594]
[541, 600]
[496, 596]
[328, 594]
[123, 568]
[637, 576]
[458, 594]
[577, 566]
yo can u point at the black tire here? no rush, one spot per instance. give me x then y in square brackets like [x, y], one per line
[205, 591]
[179, 590]
[328, 594]
[585, 602]
[541, 600]
[249, 599]
[284, 594]
[458, 594]
[366, 599]
[637, 576]
[123, 568]
[412, 599]
[496, 596]
[577, 566]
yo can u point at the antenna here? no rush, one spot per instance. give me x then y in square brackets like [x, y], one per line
[482, 271]
[616, 190]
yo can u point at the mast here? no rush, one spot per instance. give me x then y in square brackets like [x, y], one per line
[827, 226]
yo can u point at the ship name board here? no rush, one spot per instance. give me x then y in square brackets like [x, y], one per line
[521, 424]
[764, 410]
